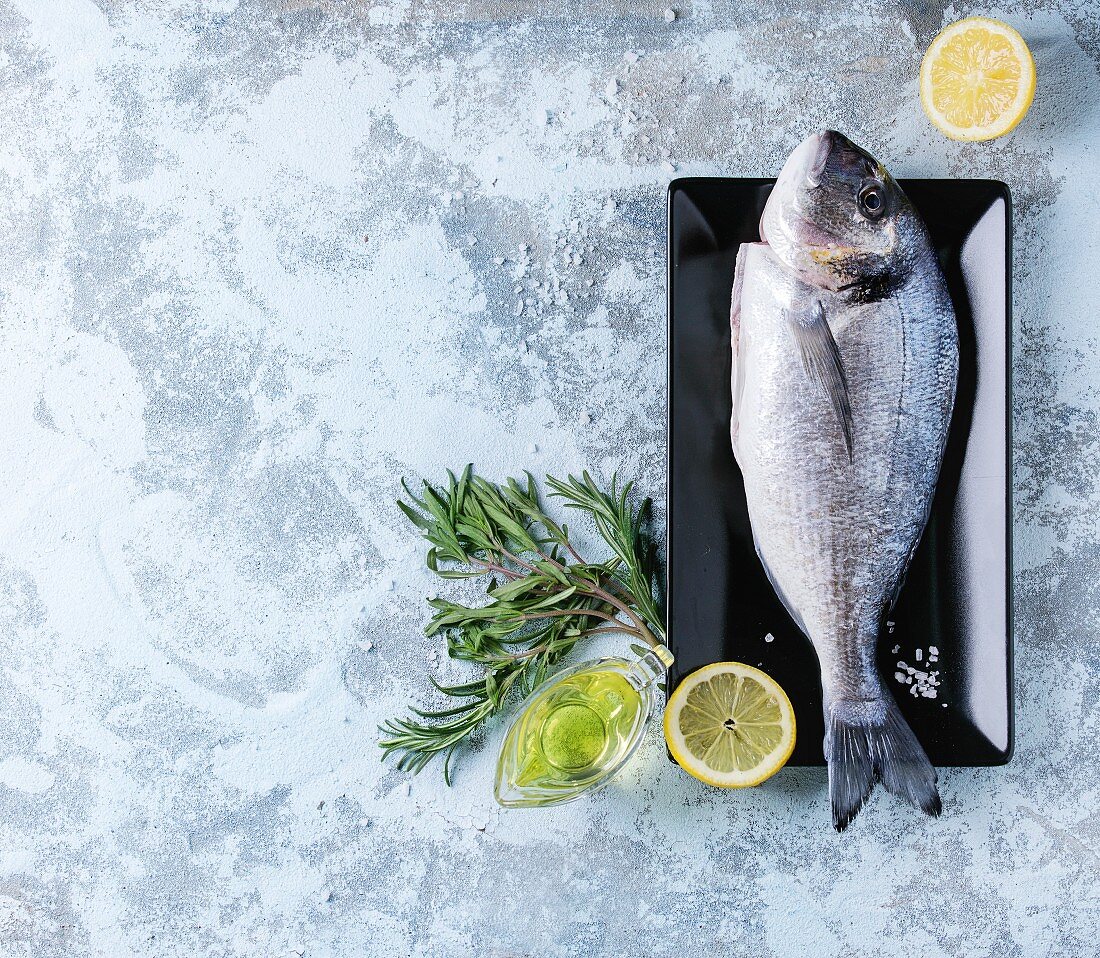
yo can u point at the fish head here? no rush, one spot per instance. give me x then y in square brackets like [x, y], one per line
[838, 219]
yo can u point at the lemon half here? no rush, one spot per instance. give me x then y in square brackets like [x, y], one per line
[977, 79]
[730, 725]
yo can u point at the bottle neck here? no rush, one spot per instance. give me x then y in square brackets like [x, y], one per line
[650, 667]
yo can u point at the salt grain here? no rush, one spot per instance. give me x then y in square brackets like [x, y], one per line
[668, 167]
[630, 56]
[585, 417]
[769, 637]
[669, 15]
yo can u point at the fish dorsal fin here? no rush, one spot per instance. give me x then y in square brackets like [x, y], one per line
[821, 358]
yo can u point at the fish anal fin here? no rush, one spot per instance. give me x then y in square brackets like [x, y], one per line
[737, 339]
[823, 364]
[795, 615]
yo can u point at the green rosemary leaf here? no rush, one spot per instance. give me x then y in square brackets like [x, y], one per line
[543, 598]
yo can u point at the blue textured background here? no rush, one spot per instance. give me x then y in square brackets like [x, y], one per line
[258, 261]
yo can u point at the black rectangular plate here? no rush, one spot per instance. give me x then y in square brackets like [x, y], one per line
[957, 594]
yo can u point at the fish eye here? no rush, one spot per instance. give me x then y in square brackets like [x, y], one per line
[872, 200]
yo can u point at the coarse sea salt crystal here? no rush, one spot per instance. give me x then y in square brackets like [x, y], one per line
[631, 57]
[669, 15]
[585, 417]
[769, 637]
[933, 650]
[612, 87]
[896, 649]
[532, 447]
[517, 310]
[900, 676]
[919, 655]
[668, 167]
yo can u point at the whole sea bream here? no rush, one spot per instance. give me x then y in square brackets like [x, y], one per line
[845, 362]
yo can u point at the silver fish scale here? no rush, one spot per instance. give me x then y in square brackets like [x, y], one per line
[837, 535]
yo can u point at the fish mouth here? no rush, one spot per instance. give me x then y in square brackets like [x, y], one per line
[823, 147]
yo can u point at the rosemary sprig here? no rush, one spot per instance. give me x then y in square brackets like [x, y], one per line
[543, 596]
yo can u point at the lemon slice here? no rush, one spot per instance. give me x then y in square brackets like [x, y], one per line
[730, 725]
[977, 79]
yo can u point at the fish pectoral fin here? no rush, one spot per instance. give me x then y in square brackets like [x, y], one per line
[821, 359]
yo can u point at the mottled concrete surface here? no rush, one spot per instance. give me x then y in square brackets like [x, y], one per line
[259, 261]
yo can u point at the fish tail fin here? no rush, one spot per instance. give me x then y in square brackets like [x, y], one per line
[869, 742]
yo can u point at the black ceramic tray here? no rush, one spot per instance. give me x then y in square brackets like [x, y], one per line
[957, 595]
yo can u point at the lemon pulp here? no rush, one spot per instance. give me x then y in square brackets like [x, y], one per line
[977, 79]
[730, 725]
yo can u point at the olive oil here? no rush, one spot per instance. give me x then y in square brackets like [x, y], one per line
[577, 730]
